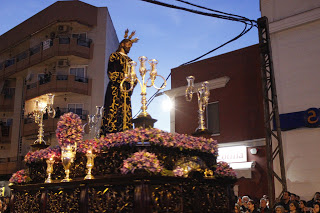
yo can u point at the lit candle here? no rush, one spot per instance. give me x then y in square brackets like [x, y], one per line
[37, 104]
[50, 99]
[51, 157]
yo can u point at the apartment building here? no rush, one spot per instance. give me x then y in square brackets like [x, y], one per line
[63, 50]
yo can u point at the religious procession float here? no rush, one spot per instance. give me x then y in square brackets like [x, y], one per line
[139, 170]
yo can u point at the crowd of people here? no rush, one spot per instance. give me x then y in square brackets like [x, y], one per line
[289, 202]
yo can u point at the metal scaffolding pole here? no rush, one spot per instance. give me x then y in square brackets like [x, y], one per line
[271, 112]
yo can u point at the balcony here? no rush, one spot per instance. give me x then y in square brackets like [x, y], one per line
[7, 101]
[59, 83]
[61, 46]
[30, 128]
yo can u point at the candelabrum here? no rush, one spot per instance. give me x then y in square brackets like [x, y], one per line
[131, 78]
[68, 154]
[90, 164]
[203, 98]
[50, 163]
[94, 121]
[40, 110]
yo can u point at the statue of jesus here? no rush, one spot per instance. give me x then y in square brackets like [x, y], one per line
[117, 115]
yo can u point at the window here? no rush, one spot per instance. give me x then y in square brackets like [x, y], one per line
[81, 36]
[79, 72]
[22, 56]
[82, 39]
[35, 49]
[76, 108]
[41, 78]
[213, 118]
[8, 92]
[9, 62]
[64, 40]
[6, 121]
[9, 121]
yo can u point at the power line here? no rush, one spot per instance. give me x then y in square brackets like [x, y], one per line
[217, 11]
[230, 17]
[226, 16]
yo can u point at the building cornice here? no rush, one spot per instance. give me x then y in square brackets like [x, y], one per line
[295, 20]
[247, 143]
[213, 84]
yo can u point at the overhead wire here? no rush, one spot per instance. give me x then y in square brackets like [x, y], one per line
[226, 16]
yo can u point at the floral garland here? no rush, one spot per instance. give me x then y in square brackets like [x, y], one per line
[43, 154]
[224, 170]
[141, 160]
[154, 136]
[130, 137]
[20, 176]
[69, 129]
[178, 172]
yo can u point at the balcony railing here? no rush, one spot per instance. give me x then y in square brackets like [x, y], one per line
[61, 46]
[82, 113]
[59, 83]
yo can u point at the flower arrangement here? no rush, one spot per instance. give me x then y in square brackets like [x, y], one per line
[141, 160]
[20, 176]
[224, 170]
[178, 172]
[42, 154]
[153, 136]
[69, 129]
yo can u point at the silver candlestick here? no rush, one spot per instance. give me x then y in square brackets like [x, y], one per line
[94, 121]
[203, 99]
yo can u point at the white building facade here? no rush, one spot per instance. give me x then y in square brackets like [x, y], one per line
[295, 31]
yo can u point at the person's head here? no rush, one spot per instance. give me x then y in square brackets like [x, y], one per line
[125, 45]
[286, 195]
[302, 204]
[297, 198]
[316, 196]
[279, 209]
[316, 207]
[236, 208]
[293, 197]
[245, 200]
[250, 205]
[263, 203]
[293, 205]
